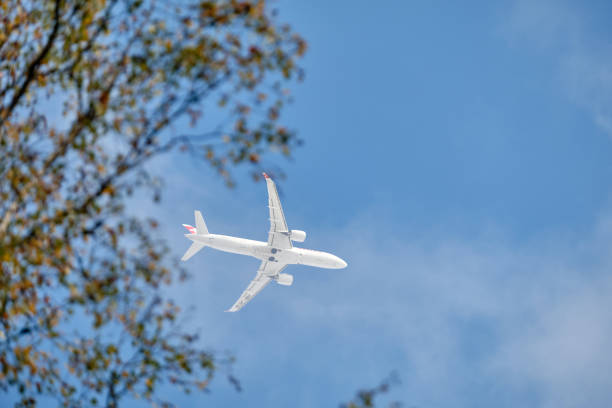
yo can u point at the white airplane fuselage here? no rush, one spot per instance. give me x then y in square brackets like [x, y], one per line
[263, 251]
[275, 254]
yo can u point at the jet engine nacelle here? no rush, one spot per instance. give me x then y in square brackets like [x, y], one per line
[284, 279]
[298, 236]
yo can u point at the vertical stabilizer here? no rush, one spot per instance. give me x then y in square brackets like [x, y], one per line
[200, 224]
[200, 229]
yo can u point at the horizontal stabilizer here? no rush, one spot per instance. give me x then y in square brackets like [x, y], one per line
[200, 224]
[193, 249]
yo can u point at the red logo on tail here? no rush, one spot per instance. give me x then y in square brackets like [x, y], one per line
[191, 229]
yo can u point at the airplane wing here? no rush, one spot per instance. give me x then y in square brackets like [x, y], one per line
[267, 271]
[278, 237]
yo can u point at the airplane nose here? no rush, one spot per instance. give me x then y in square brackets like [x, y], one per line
[339, 263]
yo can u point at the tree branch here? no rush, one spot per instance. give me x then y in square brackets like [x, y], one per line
[31, 72]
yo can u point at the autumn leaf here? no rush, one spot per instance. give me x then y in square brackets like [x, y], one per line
[83, 307]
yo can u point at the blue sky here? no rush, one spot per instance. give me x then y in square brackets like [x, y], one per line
[459, 157]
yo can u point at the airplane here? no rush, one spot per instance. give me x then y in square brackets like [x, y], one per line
[275, 254]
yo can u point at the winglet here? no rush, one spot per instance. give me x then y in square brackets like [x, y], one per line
[265, 175]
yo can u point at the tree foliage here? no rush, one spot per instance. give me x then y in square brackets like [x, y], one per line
[90, 90]
[366, 397]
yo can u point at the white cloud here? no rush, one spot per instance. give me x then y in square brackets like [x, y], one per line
[533, 317]
[584, 60]
[487, 320]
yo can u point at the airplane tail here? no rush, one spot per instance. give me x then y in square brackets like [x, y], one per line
[200, 229]
[193, 249]
[200, 224]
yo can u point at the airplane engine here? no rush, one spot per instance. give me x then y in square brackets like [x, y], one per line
[298, 236]
[284, 279]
